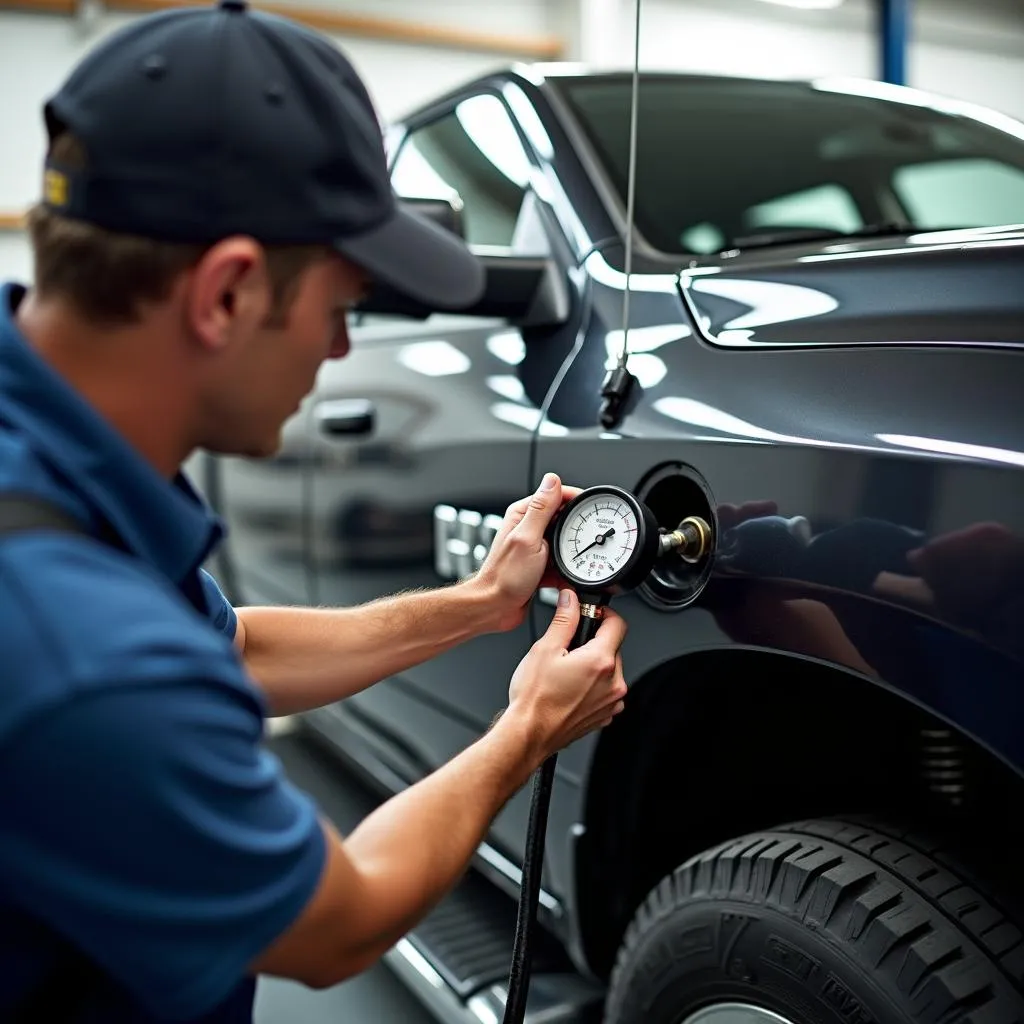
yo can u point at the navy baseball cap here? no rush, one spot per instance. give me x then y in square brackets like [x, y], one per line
[204, 122]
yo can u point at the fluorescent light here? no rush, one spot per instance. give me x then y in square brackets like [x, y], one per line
[508, 346]
[507, 386]
[697, 414]
[954, 448]
[528, 419]
[807, 5]
[604, 274]
[434, 358]
[646, 339]
[768, 302]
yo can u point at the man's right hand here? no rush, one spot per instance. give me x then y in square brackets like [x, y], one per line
[396, 865]
[562, 695]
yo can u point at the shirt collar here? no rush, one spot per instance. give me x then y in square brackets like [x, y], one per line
[162, 521]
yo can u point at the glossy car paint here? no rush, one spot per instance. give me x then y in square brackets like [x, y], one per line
[874, 388]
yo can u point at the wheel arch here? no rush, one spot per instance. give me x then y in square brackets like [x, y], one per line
[658, 790]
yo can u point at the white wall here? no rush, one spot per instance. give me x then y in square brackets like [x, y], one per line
[753, 39]
[15, 257]
[37, 51]
[971, 49]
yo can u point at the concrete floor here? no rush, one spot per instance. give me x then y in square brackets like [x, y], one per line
[374, 997]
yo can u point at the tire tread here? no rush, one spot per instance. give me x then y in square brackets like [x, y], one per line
[901, 906]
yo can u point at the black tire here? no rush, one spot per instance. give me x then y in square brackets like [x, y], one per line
[820, 922]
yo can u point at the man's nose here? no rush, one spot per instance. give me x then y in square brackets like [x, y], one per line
[341, 342]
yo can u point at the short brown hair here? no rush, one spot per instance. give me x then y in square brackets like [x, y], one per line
[108, 275]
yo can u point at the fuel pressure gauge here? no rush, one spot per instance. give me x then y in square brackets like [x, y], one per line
[605, 542]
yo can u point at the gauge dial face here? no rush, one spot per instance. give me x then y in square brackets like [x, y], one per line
[597, 538]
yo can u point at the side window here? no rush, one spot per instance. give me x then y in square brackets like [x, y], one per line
[825, 206]
[473, 154]
[961, 193]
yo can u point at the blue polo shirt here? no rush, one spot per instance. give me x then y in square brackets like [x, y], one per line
[150, 848]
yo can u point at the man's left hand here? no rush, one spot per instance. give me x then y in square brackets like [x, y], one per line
[518, 563]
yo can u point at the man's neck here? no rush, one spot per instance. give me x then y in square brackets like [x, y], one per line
[125, 373]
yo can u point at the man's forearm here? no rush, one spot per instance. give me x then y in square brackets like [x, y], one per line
[308, 657]
[413, 849]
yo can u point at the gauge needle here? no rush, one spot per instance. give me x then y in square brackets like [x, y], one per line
[599, 539]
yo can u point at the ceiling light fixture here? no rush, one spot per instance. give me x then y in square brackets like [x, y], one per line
[807, 5]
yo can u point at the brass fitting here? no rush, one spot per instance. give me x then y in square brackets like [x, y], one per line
[691, 540]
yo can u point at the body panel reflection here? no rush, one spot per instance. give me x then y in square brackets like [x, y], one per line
[829, 346]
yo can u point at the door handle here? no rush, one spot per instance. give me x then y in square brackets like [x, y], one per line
[345, 417]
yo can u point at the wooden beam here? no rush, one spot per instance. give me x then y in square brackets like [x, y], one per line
[40, 6]
[368, 26]
[12, 221]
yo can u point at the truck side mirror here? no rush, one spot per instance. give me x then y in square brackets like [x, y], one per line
[528, 291]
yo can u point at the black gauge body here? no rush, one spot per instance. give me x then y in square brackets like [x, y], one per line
[604, 542]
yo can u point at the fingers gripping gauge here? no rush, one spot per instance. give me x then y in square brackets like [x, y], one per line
[604, 543]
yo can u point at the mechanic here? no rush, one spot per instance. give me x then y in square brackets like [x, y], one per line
[215, 200]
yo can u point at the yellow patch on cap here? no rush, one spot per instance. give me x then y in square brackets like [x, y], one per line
[55, 187]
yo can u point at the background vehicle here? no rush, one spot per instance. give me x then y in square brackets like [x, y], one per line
[811, 804]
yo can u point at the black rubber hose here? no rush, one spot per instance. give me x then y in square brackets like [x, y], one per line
[529, 894]
[533, 866]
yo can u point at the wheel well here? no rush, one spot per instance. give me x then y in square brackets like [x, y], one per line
[721, 743]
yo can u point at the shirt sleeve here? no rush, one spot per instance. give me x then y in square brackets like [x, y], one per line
[222, 614]
[150, 826]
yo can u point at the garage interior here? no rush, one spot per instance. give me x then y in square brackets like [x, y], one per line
[967, 50]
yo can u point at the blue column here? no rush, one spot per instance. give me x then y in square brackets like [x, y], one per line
[894, 18]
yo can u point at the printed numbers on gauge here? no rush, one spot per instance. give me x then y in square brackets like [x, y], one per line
[598, 538]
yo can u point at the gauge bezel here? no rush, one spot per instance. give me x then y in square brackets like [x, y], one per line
[641, 560]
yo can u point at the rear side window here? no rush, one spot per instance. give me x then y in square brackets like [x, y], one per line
[961, 193]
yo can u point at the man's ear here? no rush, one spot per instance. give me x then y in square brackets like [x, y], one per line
[227, 292]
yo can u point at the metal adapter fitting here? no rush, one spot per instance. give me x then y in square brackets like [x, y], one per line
[691, 540]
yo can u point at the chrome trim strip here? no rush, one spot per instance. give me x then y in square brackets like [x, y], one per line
[415, 972]
[554, 999]
[462, 540]
[505, 867]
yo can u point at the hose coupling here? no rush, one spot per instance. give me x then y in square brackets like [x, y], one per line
[690, 540]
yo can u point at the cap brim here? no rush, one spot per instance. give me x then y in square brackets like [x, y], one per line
[419, 259]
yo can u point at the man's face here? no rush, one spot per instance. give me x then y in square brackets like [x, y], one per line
[275, 365]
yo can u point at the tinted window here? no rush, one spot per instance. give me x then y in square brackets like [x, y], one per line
[472, 154]
[719, 157]
[830, 206]
[950, 193]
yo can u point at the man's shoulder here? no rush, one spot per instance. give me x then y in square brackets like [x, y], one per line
[79, 615]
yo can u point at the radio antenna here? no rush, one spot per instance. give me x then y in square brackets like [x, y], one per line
[619, 384]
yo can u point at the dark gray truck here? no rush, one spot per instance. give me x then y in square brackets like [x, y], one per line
[810, 811]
